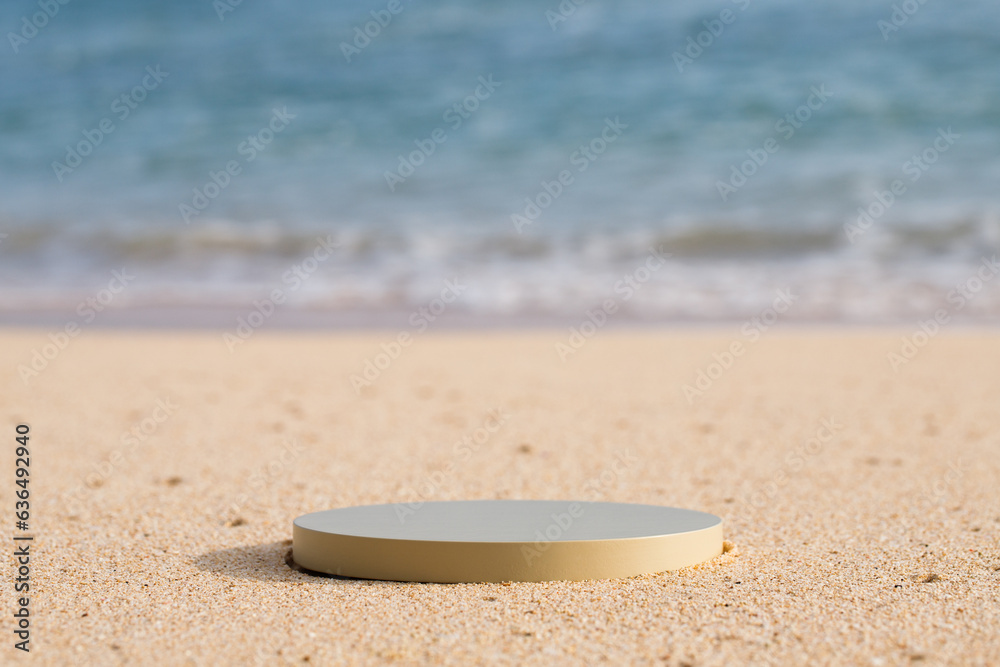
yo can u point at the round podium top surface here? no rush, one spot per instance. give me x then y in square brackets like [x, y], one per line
[507, 521]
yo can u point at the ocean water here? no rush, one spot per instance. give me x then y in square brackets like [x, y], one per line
[217, 152]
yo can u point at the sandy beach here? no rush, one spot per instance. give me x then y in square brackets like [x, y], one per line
[860, 500]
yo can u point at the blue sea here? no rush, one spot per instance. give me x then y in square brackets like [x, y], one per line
[357, 156]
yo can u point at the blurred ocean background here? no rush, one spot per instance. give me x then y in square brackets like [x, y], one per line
[323, 175]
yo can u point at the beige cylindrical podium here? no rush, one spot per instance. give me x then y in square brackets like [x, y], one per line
[503, 540]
